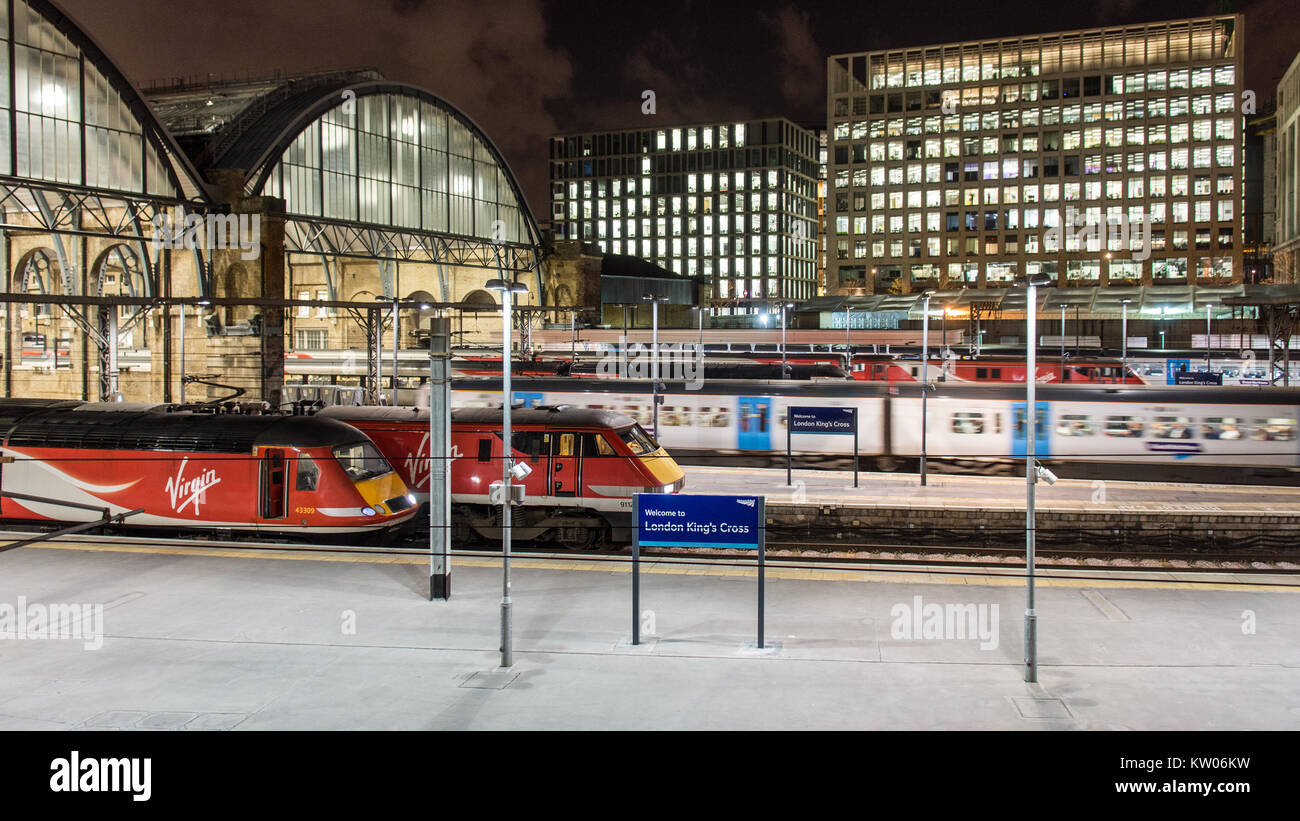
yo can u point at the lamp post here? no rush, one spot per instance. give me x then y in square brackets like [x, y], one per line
[848, 350]
[182, 333]
[1123, 356]
[925, 375]
[1031, 474]
[507, 288]
[785, 369]
[1062, 341]
[1208, 306]
[654, 360]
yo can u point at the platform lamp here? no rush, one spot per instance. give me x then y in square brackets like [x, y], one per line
[1032, 469]
[507, 288]
[785, 369]
[655, 302]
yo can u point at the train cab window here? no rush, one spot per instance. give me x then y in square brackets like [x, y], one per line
[566, 444]
[485, 450]
[1172, 427]
[1276, 429]
[361, 460]
[638, 440]
[596, 445]
[967, 422]
[1222, 427]
[1124, 426]
[308, 473]
[1075, 424]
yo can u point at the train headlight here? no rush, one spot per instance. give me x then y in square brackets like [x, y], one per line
[367, 511]
[410, 497]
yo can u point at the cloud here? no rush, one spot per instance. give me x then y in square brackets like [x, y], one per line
[802, 66]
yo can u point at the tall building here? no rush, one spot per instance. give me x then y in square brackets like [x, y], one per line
[1287, 233]
[1096, 157]
[733, 203]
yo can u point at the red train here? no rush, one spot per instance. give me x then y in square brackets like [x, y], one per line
[586, 466]
[992, 369]
[283, 474]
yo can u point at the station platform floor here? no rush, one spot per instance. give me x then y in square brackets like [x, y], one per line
[223, 639]
[1003, 493]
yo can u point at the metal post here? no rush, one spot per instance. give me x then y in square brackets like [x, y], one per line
[848, 351]
[507, 451]
[1207, 336]
[925, 378]
[784, 371]
[439, 463]
[379, 356]
[654, 367]
[573, 335]
[182, 351]
[762, 561]
[1062, 342]
[1031, 434]
[1123, 355]
[396, 344]
[636, 569]
[855, 447]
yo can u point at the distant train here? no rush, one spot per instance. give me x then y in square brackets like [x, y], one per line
[586, 465]
[978, 427]
[186, 470]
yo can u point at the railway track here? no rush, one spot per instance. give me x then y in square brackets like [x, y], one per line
[790, 555]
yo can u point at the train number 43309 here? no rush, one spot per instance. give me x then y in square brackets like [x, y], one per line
[304, 511]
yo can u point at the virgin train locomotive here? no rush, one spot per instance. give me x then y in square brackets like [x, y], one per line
[586, 465]
[184, 470]
[978, 428]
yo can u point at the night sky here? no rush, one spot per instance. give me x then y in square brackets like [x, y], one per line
[526, 69]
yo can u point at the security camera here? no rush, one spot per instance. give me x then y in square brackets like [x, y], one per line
[520, 471]
[1045, 475]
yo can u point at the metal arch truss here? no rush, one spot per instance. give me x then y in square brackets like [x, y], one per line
[27, 207]
[327, 238]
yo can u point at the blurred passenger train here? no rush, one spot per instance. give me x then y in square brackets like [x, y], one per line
[980, 428]
[586, 465]
[184, 470]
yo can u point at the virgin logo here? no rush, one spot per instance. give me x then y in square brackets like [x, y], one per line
[184, 492]
[419, 465]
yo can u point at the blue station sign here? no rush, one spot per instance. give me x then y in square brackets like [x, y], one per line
[1197, 378]
[699, 521]
[822, 420]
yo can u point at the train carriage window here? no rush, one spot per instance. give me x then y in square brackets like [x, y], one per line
[1124, 426]
[485, 450]
[533, 443]
[1172, 427]
[1275, 429]
[1221, 427]
[565, 444]
[967, 422]
[982, 373]
[997, 373]
[308, 473]
[1075, 424]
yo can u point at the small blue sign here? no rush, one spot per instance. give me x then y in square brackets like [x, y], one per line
[822, 420]
[1197, 378]
[1172, 367]
[681, 520]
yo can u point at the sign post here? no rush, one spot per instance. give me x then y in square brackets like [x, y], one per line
[681, 520]
[841, 421]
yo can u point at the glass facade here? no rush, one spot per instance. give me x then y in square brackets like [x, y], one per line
[399, 160]
[1287, 229]
[64, 121]
[1092, 156]
[735, 203]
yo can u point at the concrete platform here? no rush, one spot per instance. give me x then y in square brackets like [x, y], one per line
[1216, 512]
[195, 638]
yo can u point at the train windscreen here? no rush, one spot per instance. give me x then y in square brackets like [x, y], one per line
[638, 440]
[361, 460]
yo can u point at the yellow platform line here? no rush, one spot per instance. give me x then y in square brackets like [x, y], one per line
[901, 576]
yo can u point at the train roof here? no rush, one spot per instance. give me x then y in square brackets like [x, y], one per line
[1153, 394]
[65, 426]
[551, 416]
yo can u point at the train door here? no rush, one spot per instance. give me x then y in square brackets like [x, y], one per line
[1041, 441]
[274, 486]
[565, 478]
[754, 425]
